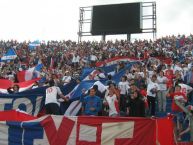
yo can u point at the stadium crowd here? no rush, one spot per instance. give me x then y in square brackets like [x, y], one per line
[146, 84]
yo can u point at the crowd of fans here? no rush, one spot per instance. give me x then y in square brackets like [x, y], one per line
[143, 88]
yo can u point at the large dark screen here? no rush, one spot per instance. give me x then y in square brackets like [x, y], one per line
[116, 19]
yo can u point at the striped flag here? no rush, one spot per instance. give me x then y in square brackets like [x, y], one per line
[5, 84]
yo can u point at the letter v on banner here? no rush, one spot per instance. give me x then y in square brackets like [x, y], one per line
[60, 136]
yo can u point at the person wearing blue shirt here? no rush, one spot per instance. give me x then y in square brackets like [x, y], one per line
[91, 104]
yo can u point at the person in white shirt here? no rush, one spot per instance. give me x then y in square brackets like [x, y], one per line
[66, 78]
[112, 101]
[75, 60]
[52, 103]
[185, 69]
[178, 67]
[123, 88]
[93, 60]
[162, 80]
[152, 89]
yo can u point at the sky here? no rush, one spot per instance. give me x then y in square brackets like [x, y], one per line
[58, 19]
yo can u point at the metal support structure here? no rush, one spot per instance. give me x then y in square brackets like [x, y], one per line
[103, 38]
[128, 37]
[82, 21]
[150, 17]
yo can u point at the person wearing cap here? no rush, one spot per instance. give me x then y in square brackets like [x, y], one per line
[52, 103]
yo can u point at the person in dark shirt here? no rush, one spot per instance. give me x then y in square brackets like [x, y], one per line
[136, 106]
[97, 92]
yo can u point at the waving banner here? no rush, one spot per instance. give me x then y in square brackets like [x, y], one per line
[116, 60]
[10, 55]
[30, 101]
[5, 84]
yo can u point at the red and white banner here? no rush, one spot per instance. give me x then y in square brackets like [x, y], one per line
[115, 60]
[5, 84]
[61, 130]
[92, 75]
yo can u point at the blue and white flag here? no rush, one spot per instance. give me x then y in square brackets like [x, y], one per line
[10, 55]
[34, 44]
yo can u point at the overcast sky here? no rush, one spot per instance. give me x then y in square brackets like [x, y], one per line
[58, 19]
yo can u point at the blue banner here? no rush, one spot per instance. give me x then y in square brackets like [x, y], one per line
[31, 101]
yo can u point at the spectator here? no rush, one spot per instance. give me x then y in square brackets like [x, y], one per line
[111, 100]
[136, 106]
[66, 78]
[179, 96]
[91, 104]
[97, 92]
[162, 80]
[152, 89]
[13, 90]
[75, 60]
[51, 102]
[123, 88]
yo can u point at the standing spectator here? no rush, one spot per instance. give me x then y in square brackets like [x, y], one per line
[111, 100]
[51, 103]
[152, 89]
[123, 88]
[182, 98]
[169, 73]
[97, 92]
[91, 104]
[54, 77]
[66, 78]
[162, 80]
[93, 59]
[136, 106]
[75, 60]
